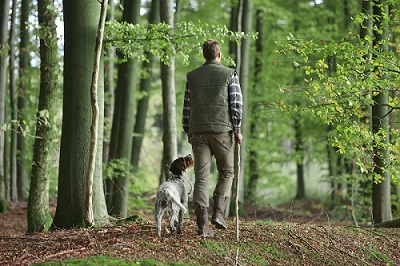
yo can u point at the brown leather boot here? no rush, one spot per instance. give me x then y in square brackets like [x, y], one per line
[204, 229]
[218, 214]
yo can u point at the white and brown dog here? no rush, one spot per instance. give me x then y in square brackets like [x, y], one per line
[172, 196]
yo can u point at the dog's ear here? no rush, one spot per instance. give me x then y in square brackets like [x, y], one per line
[188, 161]
[178, 166]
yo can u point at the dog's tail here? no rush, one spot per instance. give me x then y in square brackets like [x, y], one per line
[175, 200]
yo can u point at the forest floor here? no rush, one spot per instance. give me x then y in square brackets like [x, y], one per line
[298, 233]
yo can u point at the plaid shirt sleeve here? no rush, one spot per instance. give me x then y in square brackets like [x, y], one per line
[235, 102]
[186, 110]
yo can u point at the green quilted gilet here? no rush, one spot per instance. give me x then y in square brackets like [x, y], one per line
[209, 99]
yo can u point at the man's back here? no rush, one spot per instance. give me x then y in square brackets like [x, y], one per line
[209, 98]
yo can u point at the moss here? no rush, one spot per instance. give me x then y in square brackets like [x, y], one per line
[3, 206]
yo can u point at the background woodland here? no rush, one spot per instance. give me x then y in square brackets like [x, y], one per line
[320, 81]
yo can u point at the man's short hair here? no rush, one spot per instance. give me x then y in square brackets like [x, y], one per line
[211, 48]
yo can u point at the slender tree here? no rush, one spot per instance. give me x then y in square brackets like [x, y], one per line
[255, 119]
[145, 86]
[14, 106]
[169, 99]
[299, 148]
[24, 58]
[235, 51]
[108, 90]
[298, 126]
[38, 202]
[80, 27]
[123, 122]
[380, 121]
[244, 73]
[4, 9]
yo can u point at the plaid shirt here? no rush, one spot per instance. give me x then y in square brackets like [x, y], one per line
[235, 104]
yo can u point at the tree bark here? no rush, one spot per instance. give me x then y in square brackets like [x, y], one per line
[251, 190]
[14, 106]
[109, 102]
[300, 191]
[123, 122]
[145, 87]
[89, 217]
[235, 50]
[4, 9]
[24, 58]
[245, 83]
[38, 214]
[169, 99]
[80, 27]
[109, 90]
[381, 202]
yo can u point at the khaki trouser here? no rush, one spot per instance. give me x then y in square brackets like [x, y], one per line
[206, 145]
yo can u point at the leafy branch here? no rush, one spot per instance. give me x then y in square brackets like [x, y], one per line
[133, 40]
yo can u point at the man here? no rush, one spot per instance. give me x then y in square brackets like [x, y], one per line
[212, 115]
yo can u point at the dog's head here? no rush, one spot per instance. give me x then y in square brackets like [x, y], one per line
[179, 166]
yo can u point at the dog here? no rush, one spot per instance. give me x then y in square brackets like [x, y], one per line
[172, 197]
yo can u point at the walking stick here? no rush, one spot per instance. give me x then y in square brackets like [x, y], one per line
[237, 189]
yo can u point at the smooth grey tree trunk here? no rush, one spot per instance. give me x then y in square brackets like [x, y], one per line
[80, 27]
[381, 202]
[251, 189]
[24, 58]
[109, 87]
[235, 51]
[14, 106]
[94, 127]
[245, 84]
[145, 87]
[4, 9]
[109, 102]
[123, 122]
[169, 98]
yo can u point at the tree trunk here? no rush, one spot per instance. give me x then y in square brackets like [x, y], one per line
[123, 121]
[39, 218]
[80, 27]
[169, 98]
[22, 178]
[251, 190]
[4, 9]
[89, 176]
[245, 83]
[109, 90]
[381, 203]
[109, 102]
[235, 51]
[234, 25]
[14, 107]
[145, 86]
[300, 191]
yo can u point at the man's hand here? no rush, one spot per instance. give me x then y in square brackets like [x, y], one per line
[238, 138]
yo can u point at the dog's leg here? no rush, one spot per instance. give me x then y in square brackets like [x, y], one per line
[173, 217]
[180, 222]
[158, 219]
